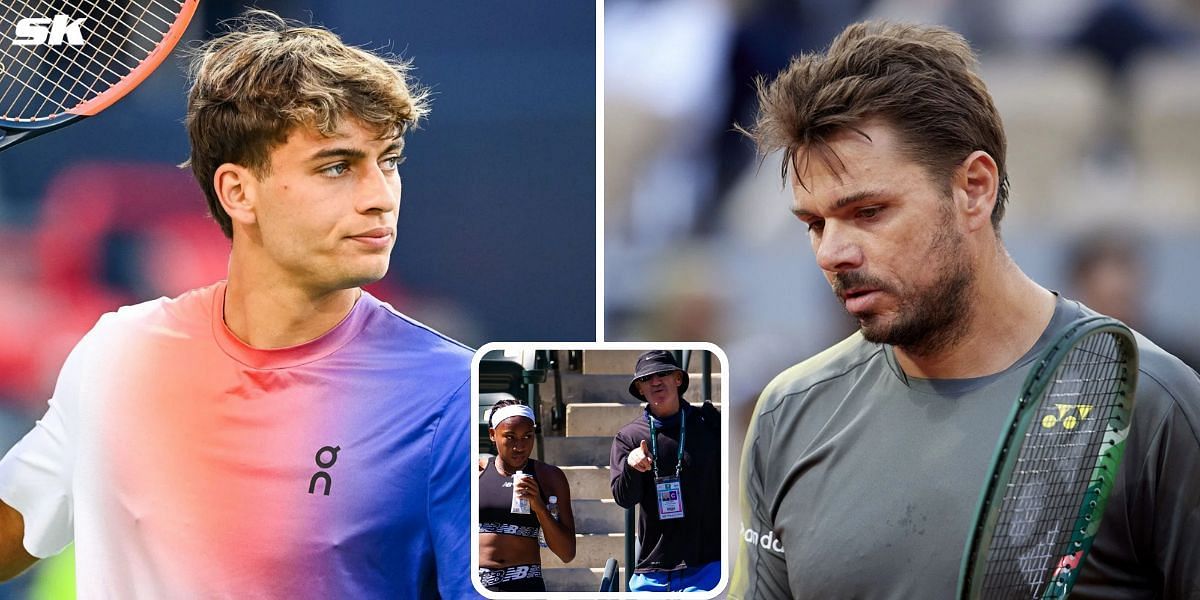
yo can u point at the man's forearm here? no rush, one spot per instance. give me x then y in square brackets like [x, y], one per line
[13, 557]
[627, 487]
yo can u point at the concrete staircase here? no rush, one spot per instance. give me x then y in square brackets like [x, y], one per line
[597, 405]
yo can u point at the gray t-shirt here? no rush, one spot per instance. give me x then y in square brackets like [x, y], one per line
[861, 482]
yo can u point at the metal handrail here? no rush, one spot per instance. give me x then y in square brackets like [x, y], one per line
[630, 540]
[531, 378]
[558, 414]
[610, 582]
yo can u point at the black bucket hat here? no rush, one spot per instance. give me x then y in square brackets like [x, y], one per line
[656, 361]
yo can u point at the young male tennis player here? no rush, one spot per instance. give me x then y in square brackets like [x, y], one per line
[281, 433]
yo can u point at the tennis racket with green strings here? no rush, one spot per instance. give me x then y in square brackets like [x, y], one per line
[1055, 467]
[63, 60]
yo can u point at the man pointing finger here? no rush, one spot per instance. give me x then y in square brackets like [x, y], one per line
[640, 458]
[667, 461]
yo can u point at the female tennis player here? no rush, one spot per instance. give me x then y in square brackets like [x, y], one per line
[509, 555]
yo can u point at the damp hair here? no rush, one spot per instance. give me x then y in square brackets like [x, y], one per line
[920, 80]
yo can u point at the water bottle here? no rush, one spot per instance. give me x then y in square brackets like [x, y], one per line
[519, 504]
[552, 505]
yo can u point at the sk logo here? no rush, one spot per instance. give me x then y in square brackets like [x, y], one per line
[36, 31]
[1067, 420]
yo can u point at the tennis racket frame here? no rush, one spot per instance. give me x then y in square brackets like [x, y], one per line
[13, 132]
[1004, 459]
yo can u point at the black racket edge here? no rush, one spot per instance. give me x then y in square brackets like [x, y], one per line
[12, 134]
[15, 132]
[1020, 417]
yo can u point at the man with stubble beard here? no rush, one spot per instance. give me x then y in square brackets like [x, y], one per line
[864, 464]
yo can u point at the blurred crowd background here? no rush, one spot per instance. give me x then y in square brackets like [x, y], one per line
[1100, 100]
[497, 226]
[1101, 105]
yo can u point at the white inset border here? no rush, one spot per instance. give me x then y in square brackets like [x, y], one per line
[726, 474]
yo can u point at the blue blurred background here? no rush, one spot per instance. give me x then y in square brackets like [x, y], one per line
[497, 226]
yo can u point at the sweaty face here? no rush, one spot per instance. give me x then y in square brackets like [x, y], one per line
[514, 441]
[661, 391]
[325, 214]
[887, 239]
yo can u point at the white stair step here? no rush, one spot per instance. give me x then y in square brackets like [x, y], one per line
[598, 516]
[588, 481]
[575, 579]
[591, 551]
[602, 418]
[577, 451]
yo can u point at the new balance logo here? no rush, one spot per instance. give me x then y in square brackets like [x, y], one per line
[509, 528]
[38, 31]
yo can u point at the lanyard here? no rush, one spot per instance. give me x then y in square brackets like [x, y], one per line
[654, 440]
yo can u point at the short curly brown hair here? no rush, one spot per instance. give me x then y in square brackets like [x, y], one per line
[921, 80]
[252, 85]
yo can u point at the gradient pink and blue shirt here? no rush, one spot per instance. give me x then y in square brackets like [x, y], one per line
[185, 464]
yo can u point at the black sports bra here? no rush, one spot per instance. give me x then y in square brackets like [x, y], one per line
[495, 503]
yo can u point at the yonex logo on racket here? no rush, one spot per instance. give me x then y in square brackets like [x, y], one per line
[38, 31]
[1064, 416]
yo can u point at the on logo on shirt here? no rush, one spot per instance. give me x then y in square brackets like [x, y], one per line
[330, 458]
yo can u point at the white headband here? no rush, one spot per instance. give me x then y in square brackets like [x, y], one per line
[512, 410]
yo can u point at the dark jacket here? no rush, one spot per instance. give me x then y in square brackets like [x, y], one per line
[694, 539]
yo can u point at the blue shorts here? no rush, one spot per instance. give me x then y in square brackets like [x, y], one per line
[691, 579]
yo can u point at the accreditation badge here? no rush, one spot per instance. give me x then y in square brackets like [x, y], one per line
[670, 498]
